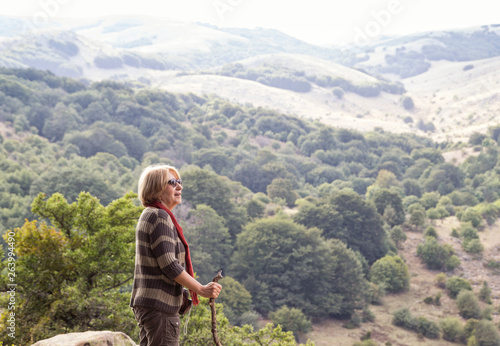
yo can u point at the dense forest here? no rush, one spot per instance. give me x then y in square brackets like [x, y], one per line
[304, 219]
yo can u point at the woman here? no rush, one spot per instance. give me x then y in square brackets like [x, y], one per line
[162, 260]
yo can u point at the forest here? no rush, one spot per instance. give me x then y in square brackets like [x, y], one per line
[305, 220]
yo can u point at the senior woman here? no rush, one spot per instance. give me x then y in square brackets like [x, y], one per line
[162, 260]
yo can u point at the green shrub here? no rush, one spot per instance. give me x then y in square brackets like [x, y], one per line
[291, 320]
[471, 215]
[440, 280]
[430, 232]
[486, 333]
[403, 318]
[391, 272]
[427, 328]
[452, 329]
[437, 256]
[473, 246]
[485, 293]
[454, 233]
[468, 305]
[456, 284]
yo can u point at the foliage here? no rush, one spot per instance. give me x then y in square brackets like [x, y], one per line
[455, 284]
[291, 320]
[437, 256]
[403, 318]
[485, 293]
[278, 260]
[210, 240]
[468, 305]
[346, 216]
[452, 329]
[71, 276]
[199, 330]
[391, 272]
[235, 298]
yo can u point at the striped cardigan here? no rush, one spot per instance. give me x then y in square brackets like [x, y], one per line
[159, 259]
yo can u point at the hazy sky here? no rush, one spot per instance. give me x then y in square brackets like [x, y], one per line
[315, 21]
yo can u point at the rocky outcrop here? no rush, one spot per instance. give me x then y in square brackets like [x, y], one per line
[103, 338]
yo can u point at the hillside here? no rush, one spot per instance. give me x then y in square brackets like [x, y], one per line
[453, 92]
[423, 284]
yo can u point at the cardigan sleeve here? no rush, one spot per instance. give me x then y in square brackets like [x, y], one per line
[164, 241]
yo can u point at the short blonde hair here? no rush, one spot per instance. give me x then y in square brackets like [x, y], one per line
[153, 180]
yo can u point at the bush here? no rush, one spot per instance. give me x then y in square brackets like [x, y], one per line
[471, 215]
[452, 329]
[456, 284]
[407, 102]
[427, 328]
[468, 305]
[485, 293]
[403, 318]
[437, 256]
[430, 232]
[291, 320]
[486, 333]
[391, 272]
[473, 246]
[440, 280]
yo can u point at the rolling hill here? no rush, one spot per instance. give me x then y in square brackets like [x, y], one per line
[451, 77]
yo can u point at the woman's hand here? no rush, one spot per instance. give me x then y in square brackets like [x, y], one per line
[210, 290]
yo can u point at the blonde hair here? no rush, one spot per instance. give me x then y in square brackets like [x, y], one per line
[153, 180]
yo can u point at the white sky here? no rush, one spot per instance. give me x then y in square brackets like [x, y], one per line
[314, 21]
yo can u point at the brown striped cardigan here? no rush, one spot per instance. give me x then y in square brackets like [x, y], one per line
[159, 259]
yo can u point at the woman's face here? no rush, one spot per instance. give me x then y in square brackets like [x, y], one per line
[171, 194]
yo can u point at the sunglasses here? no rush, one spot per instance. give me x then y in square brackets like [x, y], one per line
[174, 182]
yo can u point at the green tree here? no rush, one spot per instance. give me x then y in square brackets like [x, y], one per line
[283, 188]
[209, 240]
[384, 198]
[397, 235]
[235, 298]
[72, 277]
[291, 320]
[391, 272]
[346, 216]
[283, 263]
[205, 187]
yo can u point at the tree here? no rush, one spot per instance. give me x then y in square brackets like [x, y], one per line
[397, 235]
[205, 187]
[346, 216]
[291, 320]
[72, 276]
[235, 298]
[283, 188]
[209, 240]
[384, 198]
[391, 272]
[283, 263]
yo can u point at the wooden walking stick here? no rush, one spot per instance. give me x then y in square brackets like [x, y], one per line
[211, 302]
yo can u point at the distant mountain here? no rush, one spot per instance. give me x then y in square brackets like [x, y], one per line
[442, 83]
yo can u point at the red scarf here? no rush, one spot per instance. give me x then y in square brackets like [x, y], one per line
[189, 264]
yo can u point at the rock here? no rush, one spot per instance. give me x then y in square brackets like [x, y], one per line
[90, 338]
